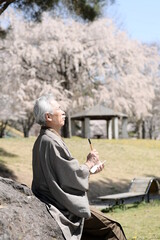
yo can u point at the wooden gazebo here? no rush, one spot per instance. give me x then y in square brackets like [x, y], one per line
[100, 112]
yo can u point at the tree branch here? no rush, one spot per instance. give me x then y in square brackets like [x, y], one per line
[4, 4]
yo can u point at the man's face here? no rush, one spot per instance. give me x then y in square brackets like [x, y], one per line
[57, 119]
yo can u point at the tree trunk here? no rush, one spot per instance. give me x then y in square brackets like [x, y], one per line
[152, 129]
[143, 130]
[2, 128]
[66, 130]
[139, 124]
[26, 132]
[27, 124]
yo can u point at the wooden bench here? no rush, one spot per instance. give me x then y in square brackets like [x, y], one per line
[139, 190]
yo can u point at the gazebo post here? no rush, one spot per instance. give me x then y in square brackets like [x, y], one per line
[115, 127]
[124, 127]
[72, 128]
[86, 127]
[109, 129]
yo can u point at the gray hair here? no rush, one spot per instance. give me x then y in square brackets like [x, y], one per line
[42, 106]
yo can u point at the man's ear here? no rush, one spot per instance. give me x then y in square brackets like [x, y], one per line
[48, 117]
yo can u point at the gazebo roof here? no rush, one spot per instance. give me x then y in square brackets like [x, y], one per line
[97, 112]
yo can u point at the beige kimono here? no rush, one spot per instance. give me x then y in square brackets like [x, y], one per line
[61, 183]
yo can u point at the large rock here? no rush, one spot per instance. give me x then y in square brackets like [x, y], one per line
[23, 216]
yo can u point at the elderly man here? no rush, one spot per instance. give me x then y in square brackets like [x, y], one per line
[61, 183]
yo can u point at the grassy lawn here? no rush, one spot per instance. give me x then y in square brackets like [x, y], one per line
[126, 159]
[16, 154]
[140, 222]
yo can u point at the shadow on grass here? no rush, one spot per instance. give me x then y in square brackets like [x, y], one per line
[106, 187]
[3, 153]
[154, 176]
[121, 207]
[4, 170]
[136, 205]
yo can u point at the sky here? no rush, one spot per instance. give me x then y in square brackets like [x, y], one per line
[139, 18]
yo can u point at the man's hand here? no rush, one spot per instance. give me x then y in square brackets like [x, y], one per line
[93, 160]
[97, 168]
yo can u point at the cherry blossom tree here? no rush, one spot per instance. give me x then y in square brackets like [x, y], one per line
[20, 86]
[86, 63]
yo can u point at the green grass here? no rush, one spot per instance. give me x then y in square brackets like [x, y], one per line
[140, 222]
[126, 159]
[16, 155]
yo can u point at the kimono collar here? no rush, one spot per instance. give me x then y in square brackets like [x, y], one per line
[58, 135]
[52, 130]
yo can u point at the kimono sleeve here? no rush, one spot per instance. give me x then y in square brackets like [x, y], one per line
[59, 165]
[67, 169]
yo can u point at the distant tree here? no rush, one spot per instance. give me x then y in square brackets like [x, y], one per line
[33, 9]
[18, 84]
